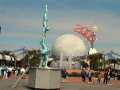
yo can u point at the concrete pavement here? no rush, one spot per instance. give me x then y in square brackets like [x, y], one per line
[7, 85]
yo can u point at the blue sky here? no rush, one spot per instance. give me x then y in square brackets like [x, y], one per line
[21, 21]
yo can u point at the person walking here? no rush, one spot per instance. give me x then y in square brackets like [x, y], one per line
[0, 72]
[5, 73]
[105, 77]
[109, 76]
[64, 73]
[83, 75]
[89, 75]
[99, 77]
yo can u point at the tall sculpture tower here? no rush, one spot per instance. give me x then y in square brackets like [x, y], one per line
[44, 78]
[43, 42]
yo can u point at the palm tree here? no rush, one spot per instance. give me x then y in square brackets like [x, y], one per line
[3, 53]
[95, 60]
[32, 58]
[14, 61]
[9, 53]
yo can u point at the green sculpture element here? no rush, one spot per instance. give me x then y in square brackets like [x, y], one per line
[43, 42]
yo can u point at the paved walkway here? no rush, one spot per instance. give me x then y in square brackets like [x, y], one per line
[68, 84]
[115, 83]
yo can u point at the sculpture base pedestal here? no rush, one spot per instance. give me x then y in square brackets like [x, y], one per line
[44, 79]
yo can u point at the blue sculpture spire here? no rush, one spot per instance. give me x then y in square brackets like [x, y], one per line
[45, 19]
[43, 42]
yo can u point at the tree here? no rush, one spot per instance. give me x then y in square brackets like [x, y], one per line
[4, 61]
[95, 61]
[32, 58]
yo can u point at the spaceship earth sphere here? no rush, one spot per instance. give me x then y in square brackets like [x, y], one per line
[68, 45]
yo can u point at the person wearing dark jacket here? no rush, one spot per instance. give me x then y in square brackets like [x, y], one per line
[83, 75]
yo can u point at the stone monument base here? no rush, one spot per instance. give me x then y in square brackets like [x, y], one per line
[44, 79]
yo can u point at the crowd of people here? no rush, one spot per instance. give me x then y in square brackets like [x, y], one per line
[91, 76]
[107, 76]
[86, 74]
[7, 72]
[101, 77]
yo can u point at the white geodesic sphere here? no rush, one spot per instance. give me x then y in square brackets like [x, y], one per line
[68, 45]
